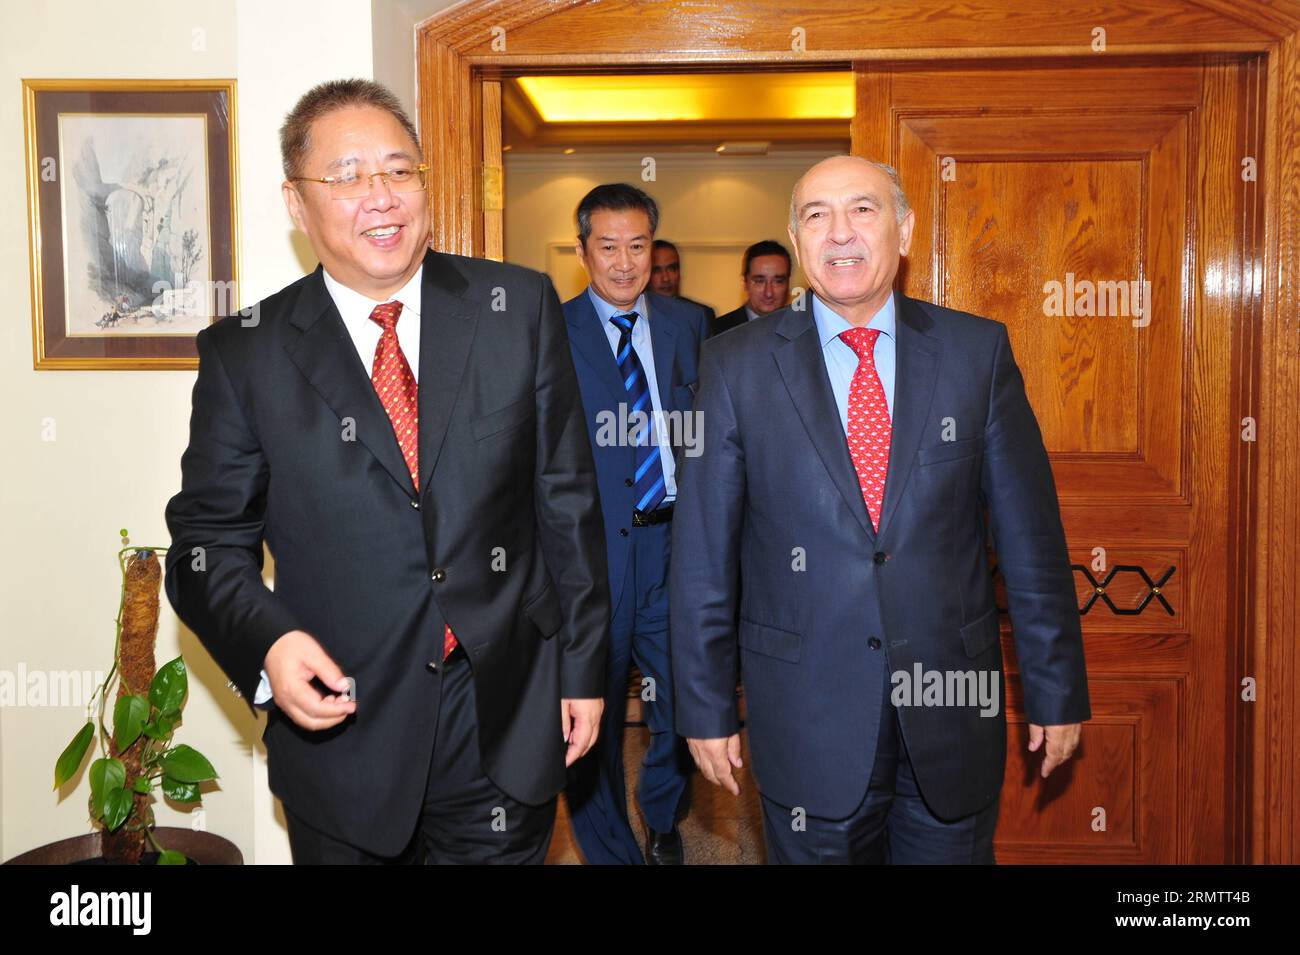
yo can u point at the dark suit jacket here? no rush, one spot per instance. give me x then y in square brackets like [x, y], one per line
[829, 607]
[733, 319]
[371, 569]
[676, 331]
[709, 314]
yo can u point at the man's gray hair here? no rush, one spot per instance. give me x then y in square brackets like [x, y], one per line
[295, 134]
[901, 206]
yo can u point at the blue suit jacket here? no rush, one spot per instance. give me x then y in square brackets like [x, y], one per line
[676, 330]
[829, 606]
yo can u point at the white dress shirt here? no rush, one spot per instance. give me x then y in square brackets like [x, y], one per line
[355, 310]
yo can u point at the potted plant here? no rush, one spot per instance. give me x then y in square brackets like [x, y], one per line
[137, 755]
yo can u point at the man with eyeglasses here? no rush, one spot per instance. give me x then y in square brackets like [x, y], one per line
[403, 429]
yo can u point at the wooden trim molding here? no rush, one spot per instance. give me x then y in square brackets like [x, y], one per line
[1276, 742]
[490, 39]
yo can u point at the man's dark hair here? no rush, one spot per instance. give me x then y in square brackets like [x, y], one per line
[664, 244]
[766, 247]
[614, 197]
[295, 134]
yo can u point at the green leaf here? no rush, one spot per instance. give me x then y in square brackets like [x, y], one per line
[178, 791]
[106, 775]
[161, 728]
[169, 685]
[117, 806]
[171, 857]
[142, 786]
[187, 765]
[129, 716]
[70, 759]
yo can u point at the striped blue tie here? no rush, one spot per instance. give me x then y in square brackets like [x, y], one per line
[648, 490]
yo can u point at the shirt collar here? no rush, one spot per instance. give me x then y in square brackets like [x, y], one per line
[830, 324]
[605, 311]
[750, 314]
[355, 307]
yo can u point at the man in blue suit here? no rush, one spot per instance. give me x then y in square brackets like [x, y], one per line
[636, 356]
[851, 449]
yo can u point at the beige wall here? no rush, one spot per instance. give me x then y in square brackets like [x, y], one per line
[711, 206]
[118, 436]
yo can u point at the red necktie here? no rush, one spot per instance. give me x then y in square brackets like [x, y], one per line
[399, 394]
[869, 429]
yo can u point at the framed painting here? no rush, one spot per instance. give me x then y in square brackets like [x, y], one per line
[132, 212]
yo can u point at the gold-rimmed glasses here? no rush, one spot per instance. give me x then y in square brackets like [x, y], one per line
[354, 185]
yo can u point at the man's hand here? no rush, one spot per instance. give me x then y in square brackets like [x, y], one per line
[580, 724]
[715, 757]
[1061, 743]
[290, 665]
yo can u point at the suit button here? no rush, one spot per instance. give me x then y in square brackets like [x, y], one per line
[439, 575]
[879, 557]
[415, 504]
[432, 665]
[627, 482]
[622, 532]
[874, 643]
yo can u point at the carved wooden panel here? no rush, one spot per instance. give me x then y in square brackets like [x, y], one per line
[1070, 207]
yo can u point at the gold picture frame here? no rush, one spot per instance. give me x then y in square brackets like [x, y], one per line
[133, 219]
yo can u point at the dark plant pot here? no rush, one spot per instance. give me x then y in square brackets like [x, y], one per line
[203, 848]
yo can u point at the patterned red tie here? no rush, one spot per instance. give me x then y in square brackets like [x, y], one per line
[869, 429]
[399, 394]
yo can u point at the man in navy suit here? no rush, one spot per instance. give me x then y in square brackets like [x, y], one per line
[666, 276]
[766, 277]
[851, 449]
[635, 353]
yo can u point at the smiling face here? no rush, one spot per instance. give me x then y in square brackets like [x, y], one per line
[665, 271]
[767, 283]
[617, 254]
[847, 237]
[375, 243]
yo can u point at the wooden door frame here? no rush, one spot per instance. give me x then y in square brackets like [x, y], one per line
[487, 39]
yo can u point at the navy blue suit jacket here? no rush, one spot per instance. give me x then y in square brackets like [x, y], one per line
[676, 330]
[829, 606]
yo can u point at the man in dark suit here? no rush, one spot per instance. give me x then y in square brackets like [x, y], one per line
[850, 450]
[635, 354]
[765, 275]
[402, 429]
[666, 276]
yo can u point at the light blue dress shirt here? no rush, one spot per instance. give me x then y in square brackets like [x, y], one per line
[641, 344]
[842, 361]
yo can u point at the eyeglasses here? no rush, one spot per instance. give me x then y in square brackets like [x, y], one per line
[351, 185]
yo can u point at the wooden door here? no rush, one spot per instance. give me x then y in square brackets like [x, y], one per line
[1037, 191]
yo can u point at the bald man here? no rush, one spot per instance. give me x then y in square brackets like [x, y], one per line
[852, 444]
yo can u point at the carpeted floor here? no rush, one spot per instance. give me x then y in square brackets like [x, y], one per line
[718, 828]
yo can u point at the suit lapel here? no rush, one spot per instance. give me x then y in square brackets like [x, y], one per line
[663, 343]
[448, 319]
[327, 357]
[592, 343]
[916, 370]
[799, 359]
